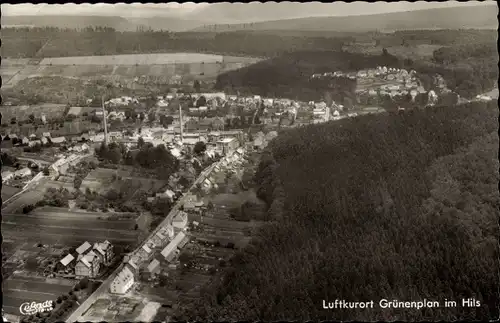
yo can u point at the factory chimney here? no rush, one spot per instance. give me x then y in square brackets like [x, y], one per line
[105, 122]
[180, 121]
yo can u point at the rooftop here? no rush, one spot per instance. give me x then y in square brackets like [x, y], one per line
[226, 140]
[66, 260]
[84, 247]
[124, 275]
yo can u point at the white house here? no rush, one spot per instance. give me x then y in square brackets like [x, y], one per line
[180, 220]
[169, 251]
[123, 282]
[7, 175]
[154, 266]
[104, 250]
[58, 140]
[168, 194]
[23, 172]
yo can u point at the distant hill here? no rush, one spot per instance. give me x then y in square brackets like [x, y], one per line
[262, 17]
[118, 23]
[480, 17]
[227, 13]
[66, 21]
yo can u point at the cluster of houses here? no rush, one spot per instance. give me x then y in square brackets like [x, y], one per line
[221, 142]
[61, 165]
[168, 240]
[18, 174]
[121, 101]
[87, 260]
[165, 244]
[33, 139]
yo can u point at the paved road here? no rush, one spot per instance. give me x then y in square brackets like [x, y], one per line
[76, 315]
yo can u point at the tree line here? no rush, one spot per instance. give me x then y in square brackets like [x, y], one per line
[146, 155]
[398, 207]
[89, 41]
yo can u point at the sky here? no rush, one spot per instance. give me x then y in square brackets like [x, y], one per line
[190, 8]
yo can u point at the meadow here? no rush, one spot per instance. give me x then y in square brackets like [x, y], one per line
[134, 59]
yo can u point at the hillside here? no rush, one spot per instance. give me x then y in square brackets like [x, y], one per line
[118, 23]
[51, 42]
[72, 22]
[482, 17]
[288, 75]
[468, 70]
[376, 207]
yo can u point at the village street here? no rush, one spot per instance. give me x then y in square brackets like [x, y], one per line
[103, 288]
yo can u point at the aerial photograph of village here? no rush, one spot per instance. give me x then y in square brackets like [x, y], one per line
[260, 161]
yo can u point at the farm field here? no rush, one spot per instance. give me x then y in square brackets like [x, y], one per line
[77, 221]
[233, 200]
[66, 233]
[18, 290]
[223, 238]
[28, 197]
[133, 59]
[63, 213]
[9, 191]
[224, 224]
[57, 225]
[154, 68]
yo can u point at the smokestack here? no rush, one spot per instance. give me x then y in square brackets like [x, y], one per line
[105, 123]
[180, 120]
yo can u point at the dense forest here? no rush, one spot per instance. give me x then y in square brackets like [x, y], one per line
[146, 156]
[54, 42]
[397, 207]
[468, 70]
[289, 75]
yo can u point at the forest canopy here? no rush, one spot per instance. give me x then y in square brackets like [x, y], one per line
[382, 206]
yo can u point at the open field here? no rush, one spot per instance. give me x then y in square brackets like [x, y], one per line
[233, 200]
[77, 221]
[9, 191]
[140, 59]
[18, 290]
[28, 197]
[66, 233]
[56, 225]
[224, 224]
[155, 68]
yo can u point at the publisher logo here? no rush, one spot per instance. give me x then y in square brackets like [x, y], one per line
[34, 307]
